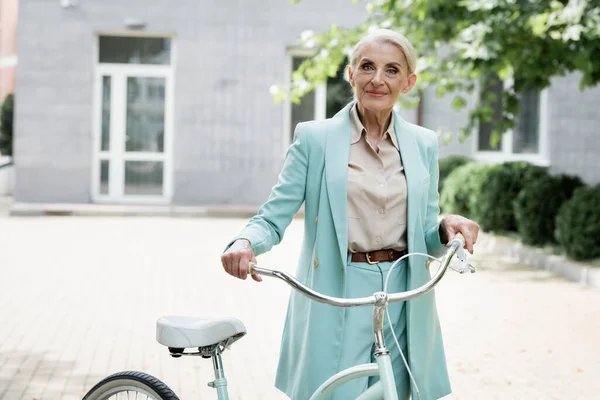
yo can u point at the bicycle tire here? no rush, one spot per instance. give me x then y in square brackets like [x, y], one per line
[130, 382]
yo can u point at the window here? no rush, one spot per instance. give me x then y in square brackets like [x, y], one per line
[526, 141]
[323, 102]
[310, 107]
[339, 92]
[526, 138]
[307, 109]
[492, 89]
[133, 123]
[134, 50]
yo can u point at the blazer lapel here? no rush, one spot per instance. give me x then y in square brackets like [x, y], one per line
[337, 152]
[413, 169]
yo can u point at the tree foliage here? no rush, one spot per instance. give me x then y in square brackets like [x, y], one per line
[6, 125]
[524, 42]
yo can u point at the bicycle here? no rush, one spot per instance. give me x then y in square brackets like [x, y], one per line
[211, 337]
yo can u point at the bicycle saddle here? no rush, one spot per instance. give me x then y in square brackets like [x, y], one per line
[182, 332]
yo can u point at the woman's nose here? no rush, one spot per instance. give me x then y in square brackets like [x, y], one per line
[377, 78]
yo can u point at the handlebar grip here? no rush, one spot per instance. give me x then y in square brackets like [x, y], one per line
[251, 266]
[460, 237]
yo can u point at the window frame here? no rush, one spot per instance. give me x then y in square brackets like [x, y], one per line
[320, 95]
[505, 154]
[120, 72]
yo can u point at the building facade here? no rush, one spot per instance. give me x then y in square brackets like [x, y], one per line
[169, 102]
[161, 103]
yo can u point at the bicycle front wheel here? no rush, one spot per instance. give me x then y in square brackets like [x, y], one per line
[122, 385]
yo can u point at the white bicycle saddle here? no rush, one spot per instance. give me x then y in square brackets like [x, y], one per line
[183, 332]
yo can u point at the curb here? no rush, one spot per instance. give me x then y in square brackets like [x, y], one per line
[535, 257]
[113, 210]
[119, 210]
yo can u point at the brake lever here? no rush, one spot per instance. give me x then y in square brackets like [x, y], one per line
[461, 254]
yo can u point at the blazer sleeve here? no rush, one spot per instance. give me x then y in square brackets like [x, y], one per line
[267, 227]
[432, 229]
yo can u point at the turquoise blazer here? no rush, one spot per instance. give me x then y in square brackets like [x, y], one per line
[315, 173]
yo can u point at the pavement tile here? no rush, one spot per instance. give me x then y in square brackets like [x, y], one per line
[79, 297]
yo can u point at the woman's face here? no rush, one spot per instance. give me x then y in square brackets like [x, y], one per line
[380, 75]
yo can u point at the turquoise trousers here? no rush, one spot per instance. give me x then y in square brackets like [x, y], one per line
[364, 279]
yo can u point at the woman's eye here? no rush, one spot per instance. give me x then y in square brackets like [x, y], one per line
[367, 67]
[392, 71]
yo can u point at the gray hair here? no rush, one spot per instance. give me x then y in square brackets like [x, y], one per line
[386, 36]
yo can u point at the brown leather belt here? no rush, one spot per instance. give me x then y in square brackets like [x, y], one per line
[373, 257]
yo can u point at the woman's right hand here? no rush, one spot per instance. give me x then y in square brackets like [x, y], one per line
[236, 259]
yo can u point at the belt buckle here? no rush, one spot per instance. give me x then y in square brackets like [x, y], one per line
[369, 259]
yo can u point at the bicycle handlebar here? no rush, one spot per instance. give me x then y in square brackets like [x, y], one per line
[456, 244]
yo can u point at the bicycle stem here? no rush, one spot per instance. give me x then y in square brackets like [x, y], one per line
[378, 317]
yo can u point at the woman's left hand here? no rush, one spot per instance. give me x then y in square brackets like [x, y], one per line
[452, 224]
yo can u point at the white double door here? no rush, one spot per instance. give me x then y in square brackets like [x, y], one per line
[133, 134]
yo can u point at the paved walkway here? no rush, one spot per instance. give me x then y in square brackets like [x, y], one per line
[79, 298]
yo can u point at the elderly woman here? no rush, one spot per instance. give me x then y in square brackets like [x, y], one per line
[369, 181]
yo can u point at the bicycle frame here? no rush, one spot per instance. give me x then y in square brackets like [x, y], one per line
[384, 389]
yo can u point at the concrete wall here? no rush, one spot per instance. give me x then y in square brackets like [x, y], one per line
[228, 145]
[574, 128]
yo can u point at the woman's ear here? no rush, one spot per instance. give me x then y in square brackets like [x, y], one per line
[412, 79]
[351, 77]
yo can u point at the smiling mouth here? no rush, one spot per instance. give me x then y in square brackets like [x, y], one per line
[376, 94]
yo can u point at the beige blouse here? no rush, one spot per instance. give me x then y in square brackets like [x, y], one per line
[376, 191]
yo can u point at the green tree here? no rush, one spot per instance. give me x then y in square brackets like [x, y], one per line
[339, 93]
[460, 43]
[6, 125]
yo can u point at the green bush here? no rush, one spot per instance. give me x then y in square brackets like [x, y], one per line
[461, 188]
[538, 203]
[6, 125]
[449, 164]
[494, 210]
[578, 224]
[525, 171]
